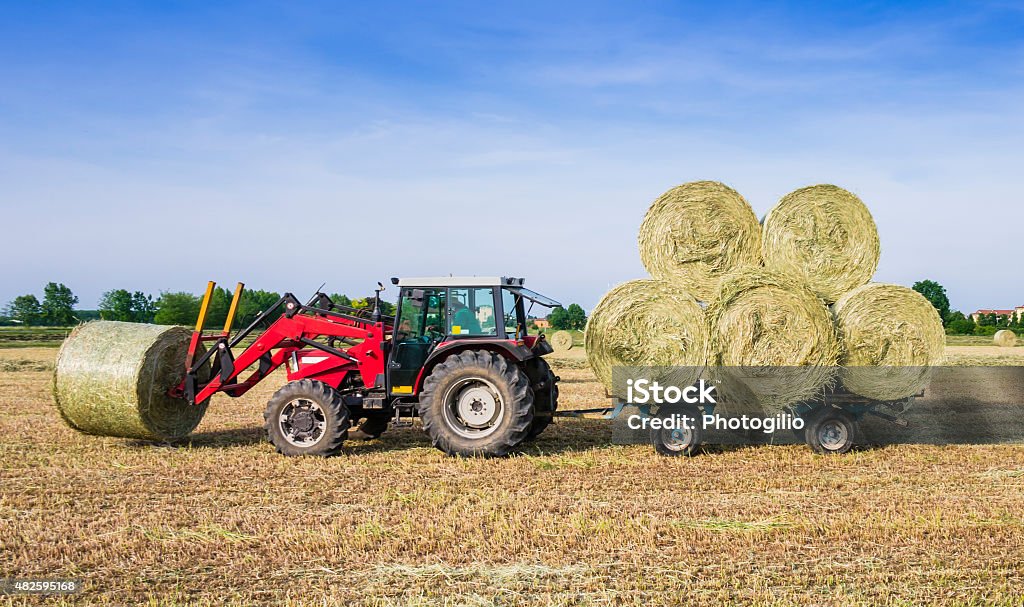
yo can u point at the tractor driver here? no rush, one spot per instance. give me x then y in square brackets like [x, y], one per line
[465, 319]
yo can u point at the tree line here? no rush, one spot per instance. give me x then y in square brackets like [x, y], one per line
[572, 317]
[57, 308]
[958, 323]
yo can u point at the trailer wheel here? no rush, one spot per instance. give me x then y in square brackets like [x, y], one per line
[306, 417]
[674, 442]
[544, 400]
[476, 403]
[831, 430]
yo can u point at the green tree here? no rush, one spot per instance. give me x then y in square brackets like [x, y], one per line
[25, 309]
[559, 318]
[963, 326]
[217, 313]
[116, 305]
[366, 303]
[955, 315]
[143, 307]
[935, 293]
[177, 308]
[119, 304]
[58, 307]
[253, 304]
[341, 300]
[576, 317]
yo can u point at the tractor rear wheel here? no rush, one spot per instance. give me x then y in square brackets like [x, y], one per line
[545, 400]
[306, 417]
[476, 403]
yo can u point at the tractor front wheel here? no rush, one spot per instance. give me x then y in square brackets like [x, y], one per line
[476, 403]
[306, 417]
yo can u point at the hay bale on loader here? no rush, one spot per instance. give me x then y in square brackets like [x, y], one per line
[112, 378]
[695, 233]
[646, 324]
[890, 337]
[1004, 338]
[772, 339]
[824, 236]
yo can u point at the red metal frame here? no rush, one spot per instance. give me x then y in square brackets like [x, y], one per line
[282, 339]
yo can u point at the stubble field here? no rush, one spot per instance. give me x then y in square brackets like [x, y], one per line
[574, 520]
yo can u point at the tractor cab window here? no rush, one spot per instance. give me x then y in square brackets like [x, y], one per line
[471, 312]
[421, 315]
[512, 310]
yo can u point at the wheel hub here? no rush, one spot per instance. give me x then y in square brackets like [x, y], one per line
[473, 408]
[477, 406]
[679, 439]
[833, 435]
[302, 422]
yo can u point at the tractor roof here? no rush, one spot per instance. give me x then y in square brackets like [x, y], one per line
[515, 284]
[461, 281]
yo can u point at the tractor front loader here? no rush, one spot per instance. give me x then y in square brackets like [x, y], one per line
[456, 354]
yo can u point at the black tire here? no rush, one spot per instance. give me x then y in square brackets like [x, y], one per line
[678, 441]
[831, 430]
[373, 426]
[481, 384]
[545, 399]
[306, 417]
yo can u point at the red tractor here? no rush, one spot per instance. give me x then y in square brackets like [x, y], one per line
[457, 355]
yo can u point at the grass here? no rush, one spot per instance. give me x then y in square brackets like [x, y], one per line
[32, 337]
[574, 520]
[974, 340]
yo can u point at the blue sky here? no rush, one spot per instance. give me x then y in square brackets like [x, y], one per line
[156, 146]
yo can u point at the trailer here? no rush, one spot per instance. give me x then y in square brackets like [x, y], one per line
[829, 425]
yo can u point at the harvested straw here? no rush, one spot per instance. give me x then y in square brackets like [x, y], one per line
[112, 379]
[646, 324]
[822, 235]
[771, 337]
[1004, 338]
[890, 336]
[695, 233]
[561, 341]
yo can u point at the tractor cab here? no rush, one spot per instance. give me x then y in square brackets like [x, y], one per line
[438, 317]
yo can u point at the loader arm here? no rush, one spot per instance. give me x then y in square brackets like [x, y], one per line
[297, 329]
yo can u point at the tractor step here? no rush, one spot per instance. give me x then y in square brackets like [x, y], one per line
[399, 422]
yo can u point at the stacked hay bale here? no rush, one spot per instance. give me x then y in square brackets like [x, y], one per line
[787, 303]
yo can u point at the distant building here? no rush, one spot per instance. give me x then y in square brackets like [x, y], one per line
[1017, 313]
[542, 323]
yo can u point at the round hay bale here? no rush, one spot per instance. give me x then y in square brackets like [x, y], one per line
[771, 338]
[112, 378]
[822, 235]
[890, 337]
[695, 233]
[1004, 338]
[561, 341]
[647, 324]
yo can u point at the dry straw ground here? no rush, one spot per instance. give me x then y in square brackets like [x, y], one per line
[573, 521]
